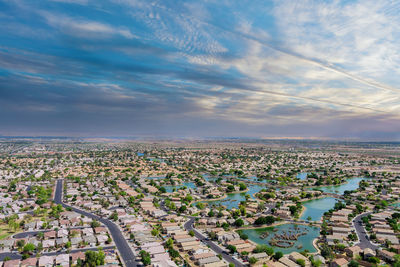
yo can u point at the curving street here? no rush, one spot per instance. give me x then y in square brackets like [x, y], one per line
[364, 242]
[123, 247]
[189, 226]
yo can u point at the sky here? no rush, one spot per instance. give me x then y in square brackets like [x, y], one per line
[216, 68]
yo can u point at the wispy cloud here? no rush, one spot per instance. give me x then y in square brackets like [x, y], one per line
[80, 2]
[261, 69]
[84, 28]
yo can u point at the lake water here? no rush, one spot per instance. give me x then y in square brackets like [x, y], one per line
[352, 184]
[209, 178]
[316, 208]
[155, 177]
[302, 176]
[249, 178]
[305, 240]
[170, 188]
[233, 200]
[156, 160]
[397, 205]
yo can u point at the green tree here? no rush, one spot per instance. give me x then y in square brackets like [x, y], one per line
[28, 248]
[39, 247]
[188, 198]
[20, 244]
[252, 260]
[239, 222]
[396, 262]
[374, 260]
[114, 216]
[173, 253]
[261, 206]
[264, 220]
[200, 205]
[353, 263]
[301, 262]
[278, 255]
[154, 232]
[13, 225]
[293, 210]
[213, 235]
[231, 248]
[145, 257]
[242, 186]
[264, 248]
[95, 224]
[230, 188]
[169, 243]
[243, 235]
[182, 208]
[93, 258]
[326, 251]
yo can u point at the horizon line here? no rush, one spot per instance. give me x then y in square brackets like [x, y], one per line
[207, 138]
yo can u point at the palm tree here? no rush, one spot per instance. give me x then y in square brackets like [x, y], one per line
[40, 235]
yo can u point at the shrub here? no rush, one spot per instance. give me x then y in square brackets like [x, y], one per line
[252, 260]
[301, 262]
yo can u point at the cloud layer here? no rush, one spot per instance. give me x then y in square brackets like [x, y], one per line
[326, 69]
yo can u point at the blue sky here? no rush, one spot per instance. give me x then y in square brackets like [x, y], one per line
[312, 69]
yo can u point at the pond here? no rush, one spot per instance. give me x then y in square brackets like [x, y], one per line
[316, 208]
[156, 160]
[303, 242]
[397, 205]
[302, 176]
[155, 177]
[233, 200]
[170, 188]
[209, 178]
[351, 184]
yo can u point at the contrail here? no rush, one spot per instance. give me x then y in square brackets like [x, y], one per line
[318, 62]
[315, 99]
[313, 61]
[269, 92]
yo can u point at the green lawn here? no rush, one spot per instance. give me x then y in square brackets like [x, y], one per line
[5, 231]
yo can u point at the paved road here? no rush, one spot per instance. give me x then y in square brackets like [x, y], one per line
[29, 234]
[119, 240]
[34, 233]
[16, 255]
[11, 255]
[189, 226]
[361, 233]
